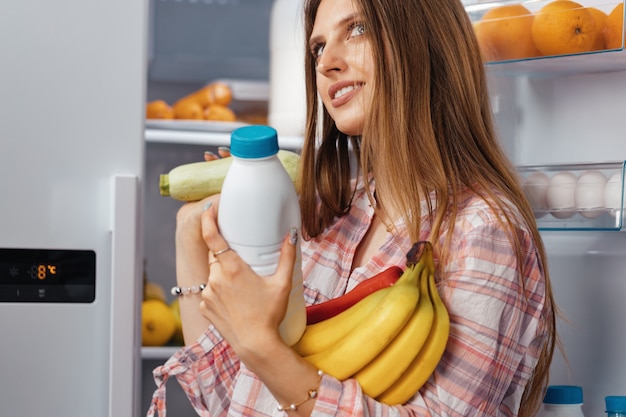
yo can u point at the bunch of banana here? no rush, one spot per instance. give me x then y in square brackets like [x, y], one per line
[391, 340]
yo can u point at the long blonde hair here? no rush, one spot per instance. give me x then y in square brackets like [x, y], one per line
[430, 130]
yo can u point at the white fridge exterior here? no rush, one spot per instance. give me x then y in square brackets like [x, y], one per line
[72, 88]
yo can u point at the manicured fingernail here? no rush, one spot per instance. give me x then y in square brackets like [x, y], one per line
[209, 154]
[207, 206]
[293, 236]
[223, 149]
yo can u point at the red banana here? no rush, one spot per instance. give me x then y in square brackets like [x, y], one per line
[322, 311]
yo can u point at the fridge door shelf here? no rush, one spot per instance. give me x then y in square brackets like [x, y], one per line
[584, 196]
[495, 29]
[555, 66]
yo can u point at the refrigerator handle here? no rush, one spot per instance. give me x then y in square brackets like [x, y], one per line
[124, 350]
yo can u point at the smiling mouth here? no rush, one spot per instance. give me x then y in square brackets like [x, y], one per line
[345, 90]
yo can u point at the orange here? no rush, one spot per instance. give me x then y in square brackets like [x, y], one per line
[564, 27]
[614, 27]
[504, 33]
[159, 109]
[188, 109]
[600, 18]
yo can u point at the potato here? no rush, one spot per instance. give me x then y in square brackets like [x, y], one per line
[219, 113]
[159, 109]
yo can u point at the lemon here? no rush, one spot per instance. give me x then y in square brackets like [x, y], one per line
[153, 291]
[178, 333]
[158, 323]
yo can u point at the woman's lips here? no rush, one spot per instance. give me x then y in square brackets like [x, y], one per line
[341, 93]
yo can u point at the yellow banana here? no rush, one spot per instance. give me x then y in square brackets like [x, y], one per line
[371, 336]
[386, 368]
[323, 335]
[427, 359]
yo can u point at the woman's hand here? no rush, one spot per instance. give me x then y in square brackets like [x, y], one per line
[244, 307]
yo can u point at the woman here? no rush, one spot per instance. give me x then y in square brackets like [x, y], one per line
[406, 108]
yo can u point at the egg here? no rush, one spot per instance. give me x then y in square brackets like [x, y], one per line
[560, 195]
[535, 186]
[613, 192]
[589, 194]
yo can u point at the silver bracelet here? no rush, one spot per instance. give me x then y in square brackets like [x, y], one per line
[194, 289]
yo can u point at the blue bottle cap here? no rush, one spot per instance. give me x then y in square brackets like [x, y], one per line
[563, 394]
[254, 141]
[615, 404]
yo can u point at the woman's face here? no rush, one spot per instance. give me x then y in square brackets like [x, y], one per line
[345, 66]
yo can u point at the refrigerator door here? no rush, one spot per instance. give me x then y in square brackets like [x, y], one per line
[545, 118]
[589, 287]
[72, 83]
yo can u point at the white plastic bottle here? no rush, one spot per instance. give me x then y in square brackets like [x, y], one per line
[562, 401]
[287, 100]
[257, 209]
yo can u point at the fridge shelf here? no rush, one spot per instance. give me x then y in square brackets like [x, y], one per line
[583, 196]
[158, 352]
[209, 138]
[526, 38]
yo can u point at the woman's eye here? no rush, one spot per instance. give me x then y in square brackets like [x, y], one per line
[317, 50]
[357, 29]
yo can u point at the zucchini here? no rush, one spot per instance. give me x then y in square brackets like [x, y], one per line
[197, 180]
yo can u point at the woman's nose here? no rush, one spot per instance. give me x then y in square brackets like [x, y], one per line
[331, 59]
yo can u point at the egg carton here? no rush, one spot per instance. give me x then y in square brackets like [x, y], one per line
[584, 196]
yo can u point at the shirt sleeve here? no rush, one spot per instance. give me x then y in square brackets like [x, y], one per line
[206, 370]
[497, 314]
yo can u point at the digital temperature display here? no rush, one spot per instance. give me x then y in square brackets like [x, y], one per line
[47, 275]
[41, 272]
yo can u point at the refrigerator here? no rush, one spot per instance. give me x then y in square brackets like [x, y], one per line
[82, 221]
[72, 88]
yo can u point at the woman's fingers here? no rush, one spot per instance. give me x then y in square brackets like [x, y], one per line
[216, 243]
[222, 152]
[288, 254]
[210, 156]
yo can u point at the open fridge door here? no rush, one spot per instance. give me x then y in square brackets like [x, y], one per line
[72, 82]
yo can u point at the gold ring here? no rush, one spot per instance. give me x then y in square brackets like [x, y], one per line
[219, 252]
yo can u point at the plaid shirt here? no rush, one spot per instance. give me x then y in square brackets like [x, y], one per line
[497, 326]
